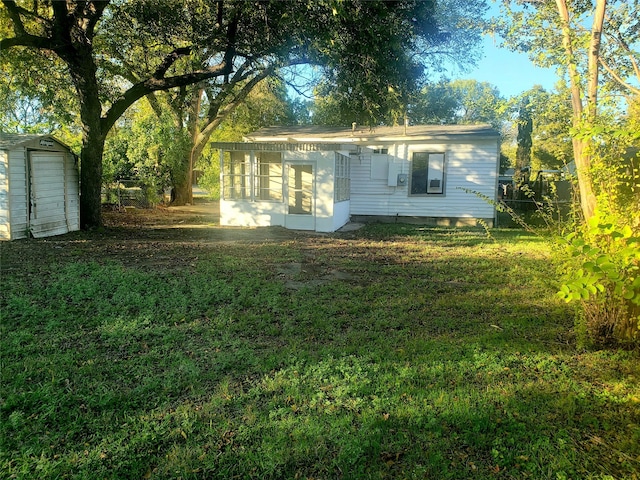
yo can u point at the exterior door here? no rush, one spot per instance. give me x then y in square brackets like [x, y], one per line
[300, 196]
[47, 214]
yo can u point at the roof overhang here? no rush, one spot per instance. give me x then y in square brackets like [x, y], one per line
[10, 141]
[283, 147]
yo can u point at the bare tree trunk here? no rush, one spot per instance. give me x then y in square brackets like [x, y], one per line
[185, 189]
[580, 147]
[594, 58]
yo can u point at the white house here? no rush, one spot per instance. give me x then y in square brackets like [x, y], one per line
[39, 187]
[318, 178]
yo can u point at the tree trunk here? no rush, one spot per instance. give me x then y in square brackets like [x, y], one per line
[184, 192]
[182, 189]
[580, 147]
[91, 180]
[83, 73]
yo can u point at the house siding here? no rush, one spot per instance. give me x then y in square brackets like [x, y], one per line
[259, 213]
[380, 174]
[469, 166]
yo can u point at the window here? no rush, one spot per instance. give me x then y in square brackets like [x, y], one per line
[342, 187]
[269, 176]
[427, 173]
[236, 176]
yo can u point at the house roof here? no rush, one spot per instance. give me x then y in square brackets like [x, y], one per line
[332, 135]
[12, 140]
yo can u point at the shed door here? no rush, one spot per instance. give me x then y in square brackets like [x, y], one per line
[47, 214]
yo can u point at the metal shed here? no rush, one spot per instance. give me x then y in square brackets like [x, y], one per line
[39, 187]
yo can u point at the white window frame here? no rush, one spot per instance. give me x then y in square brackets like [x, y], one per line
[269, 177]
[236, 176]
[430, 179]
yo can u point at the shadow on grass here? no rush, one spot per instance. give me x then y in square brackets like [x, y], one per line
[434, 354]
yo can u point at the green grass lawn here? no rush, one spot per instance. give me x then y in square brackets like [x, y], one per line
[394, 352]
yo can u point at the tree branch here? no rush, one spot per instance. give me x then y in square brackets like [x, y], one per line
[625, 46]
[61, 15]
[129, 74]
[14, 14]
[214, 122]
[22, 38]
[154, 84]
[93, 12]
[618, 79]
[26, 41]
[227, 88]
[169, 60]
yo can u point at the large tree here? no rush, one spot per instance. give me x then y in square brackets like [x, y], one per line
[550, 113]
[459, 101]
[586, 40]
[524, 141]
[181, 43]
[456, 46]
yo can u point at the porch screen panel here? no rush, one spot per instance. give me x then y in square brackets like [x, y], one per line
[342, 187]
[269, 176]
[300, 189]
[236, 177]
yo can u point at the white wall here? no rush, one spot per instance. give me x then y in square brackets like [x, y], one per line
[471, 166]
[18, 201]
[341, 215]
[243, 213]
[5, 218]
[328, 216]
[72, 191]
[58, 181]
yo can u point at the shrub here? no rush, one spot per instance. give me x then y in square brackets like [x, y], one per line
[601, 274]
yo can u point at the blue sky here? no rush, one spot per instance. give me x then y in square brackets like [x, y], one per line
[511, 72]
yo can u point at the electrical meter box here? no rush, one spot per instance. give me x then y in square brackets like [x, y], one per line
[395, 178]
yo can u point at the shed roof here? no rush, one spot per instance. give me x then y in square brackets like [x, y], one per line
[13, 140]
[320, 134]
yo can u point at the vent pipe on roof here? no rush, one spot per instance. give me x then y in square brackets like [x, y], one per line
[406, 124]
[353, 128]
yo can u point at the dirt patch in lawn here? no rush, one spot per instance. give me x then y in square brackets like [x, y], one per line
[161, 238]
[201, 214]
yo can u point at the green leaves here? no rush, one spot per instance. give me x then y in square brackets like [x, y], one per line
[603, 266]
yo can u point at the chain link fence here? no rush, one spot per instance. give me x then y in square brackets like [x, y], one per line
[130, 193]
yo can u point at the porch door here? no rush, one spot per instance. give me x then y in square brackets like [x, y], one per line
[300, 195]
